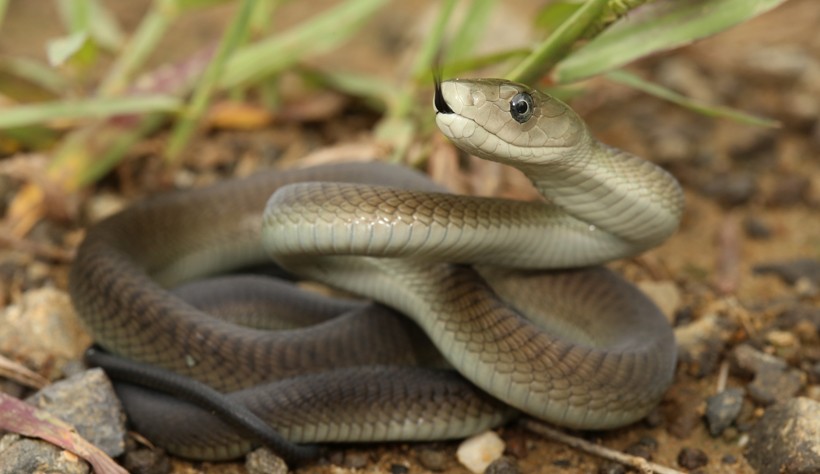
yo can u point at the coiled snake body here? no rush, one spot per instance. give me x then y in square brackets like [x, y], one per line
[592, 353]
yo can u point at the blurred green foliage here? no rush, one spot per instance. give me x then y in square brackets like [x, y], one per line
[582, 39]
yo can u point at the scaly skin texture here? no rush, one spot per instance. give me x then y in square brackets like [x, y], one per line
[595, 353]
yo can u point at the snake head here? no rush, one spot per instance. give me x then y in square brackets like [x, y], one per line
[505, 121]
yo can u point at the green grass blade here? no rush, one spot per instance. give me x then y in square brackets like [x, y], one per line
[473, 27]
[378, 92]
[24, 115]
[710, 110]
[141, 44]
[36, 73]
[103, 26]
[4, 4]
[320, 34]
[657, 26]
[431, 45]
[202, 94]
[474, 63]
[556, 46]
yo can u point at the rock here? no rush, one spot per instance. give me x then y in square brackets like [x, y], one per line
[753, 361]
[147, 461]
[731, 189]
[43, 330]
[643, 448]
[723, 408]
[399, 469]
[265, 461]
[728, 459]
[772, 385]
[682, 410]
[87, 401]
[792, 271]
[781, 338]
[701, 343]
[773, 379]
[356, 459]
[503, 465]
[18, 454]
[786, 438]
[756, 228]
[692, 458]
[789, 191]
[612, 467]
[433, 459]
[478, 452]
[813, 392]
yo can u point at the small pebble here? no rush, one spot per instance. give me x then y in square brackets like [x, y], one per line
[611, 467]
[756, 228]
[789, 190]
[640, 450]
[649, 442]
[813, 392]
[808, 333]
[265, 461]
[692, 458]
[683, 411]
[701, 342]
[732, 189]
[781, 338]
[356, 460]
[432, 459]
[562, 463]
[399, 469]
[772, 385]
[728, 459]
[147, 461]
[503, 465]
[752, 360]
[792, 270]
[723, 408]
[478, 452]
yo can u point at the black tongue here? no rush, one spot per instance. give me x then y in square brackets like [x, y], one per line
[440, 103]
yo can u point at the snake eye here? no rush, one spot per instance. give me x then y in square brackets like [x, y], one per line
[521, 107]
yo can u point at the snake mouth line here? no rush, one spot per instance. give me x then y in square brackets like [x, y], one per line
[441, 105]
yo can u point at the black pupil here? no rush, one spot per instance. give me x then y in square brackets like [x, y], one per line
[520, 106]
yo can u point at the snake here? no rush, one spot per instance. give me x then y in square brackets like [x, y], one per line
[509, 301]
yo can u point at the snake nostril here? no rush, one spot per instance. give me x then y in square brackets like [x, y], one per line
[441, 105]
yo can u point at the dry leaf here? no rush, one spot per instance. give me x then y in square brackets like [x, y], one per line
[238, 116]
[19, 417]
[20, 374]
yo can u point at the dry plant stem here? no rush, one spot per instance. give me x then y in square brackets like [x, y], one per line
[20, 374]
[641, 464]
[723, 376]
[556, 47]
[728, 260]
[39, 250]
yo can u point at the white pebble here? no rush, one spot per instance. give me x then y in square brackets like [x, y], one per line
[479, 451]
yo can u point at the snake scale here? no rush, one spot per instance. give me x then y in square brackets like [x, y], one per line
[509, 293]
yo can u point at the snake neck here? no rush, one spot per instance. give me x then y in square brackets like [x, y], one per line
[611, 190]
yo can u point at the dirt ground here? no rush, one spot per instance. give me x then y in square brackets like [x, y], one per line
[753, 198]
